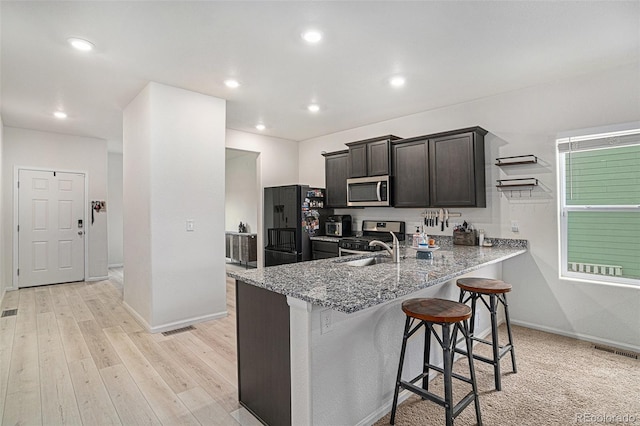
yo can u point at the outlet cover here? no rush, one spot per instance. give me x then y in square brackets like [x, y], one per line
[325, 321]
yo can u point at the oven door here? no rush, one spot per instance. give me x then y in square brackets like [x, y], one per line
[368, 192]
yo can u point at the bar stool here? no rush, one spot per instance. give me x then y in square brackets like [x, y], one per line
[496, 290]
[428, 313]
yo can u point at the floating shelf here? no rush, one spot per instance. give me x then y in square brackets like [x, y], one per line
[518, 159]
[517, 184]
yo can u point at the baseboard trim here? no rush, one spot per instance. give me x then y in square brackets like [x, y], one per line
[94, 279]
[579, 336]
[172, 325]
[115, 265]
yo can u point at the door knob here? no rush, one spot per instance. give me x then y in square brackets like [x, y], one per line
[80, 232]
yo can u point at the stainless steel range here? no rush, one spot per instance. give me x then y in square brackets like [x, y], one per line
[371, 230]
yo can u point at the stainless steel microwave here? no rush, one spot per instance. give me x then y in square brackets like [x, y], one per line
[369, 191]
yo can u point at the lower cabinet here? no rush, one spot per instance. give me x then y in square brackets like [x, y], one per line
[264, 361]
[241, 248]
[323, 249]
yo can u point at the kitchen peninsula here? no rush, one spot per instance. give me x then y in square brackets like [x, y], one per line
[318, 342]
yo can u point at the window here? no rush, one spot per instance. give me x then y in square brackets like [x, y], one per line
[599, 200]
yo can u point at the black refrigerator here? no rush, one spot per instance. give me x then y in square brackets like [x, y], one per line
[292, 214]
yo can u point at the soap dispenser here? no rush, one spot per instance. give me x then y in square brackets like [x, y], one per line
[416, 238]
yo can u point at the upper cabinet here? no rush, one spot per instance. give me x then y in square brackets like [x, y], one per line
[456, 168]
[411, 172]
[370, 157]
[336, 173]
[440, 170]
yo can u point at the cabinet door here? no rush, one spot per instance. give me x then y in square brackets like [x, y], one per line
[378, 158]
[456, 168]
[336, 170]
[411, 174]
[358, 161]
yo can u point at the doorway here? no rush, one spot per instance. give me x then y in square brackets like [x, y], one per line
[51, 227]
[242, 207]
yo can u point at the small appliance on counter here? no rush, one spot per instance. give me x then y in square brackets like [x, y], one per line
[372, 230]
[338, 226]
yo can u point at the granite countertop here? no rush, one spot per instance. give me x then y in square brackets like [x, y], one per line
[333, 284]
[240, 233]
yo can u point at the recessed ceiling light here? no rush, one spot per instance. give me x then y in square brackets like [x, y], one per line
[260, 126]
[397, 81]
[81, 44]
[60, 114]
[313, 107]
[232, 83]
[312, 36]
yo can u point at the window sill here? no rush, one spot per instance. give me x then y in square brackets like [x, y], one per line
[620, 282]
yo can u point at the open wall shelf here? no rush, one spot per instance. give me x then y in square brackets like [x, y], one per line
[518, 159]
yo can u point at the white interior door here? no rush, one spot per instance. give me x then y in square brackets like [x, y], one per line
[50, 227]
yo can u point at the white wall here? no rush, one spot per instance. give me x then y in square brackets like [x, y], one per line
[3, 283]
[277, 165]
[525, 122]
[114, 209]
[174, 144]
[241, 190]
[30, 148]
[136, 204]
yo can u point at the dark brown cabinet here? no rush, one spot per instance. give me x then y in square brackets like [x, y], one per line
[440, 170]
[370, 157]
[411, 173]
[324, 249]
[456, 168]
[336, 173]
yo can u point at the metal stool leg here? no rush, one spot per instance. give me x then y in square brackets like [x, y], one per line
[472, 324]
[494, 339]
[506, 314]
[448, 393]
[472, 371]
[426, 358]
[405, 336]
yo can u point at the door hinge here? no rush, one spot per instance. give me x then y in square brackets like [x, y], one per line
[18, 228]
[18, 271]
[18, 184]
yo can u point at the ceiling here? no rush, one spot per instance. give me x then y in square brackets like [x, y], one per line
[450, 52]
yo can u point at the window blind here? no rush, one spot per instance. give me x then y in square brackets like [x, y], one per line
[603, 177]
[605, 140]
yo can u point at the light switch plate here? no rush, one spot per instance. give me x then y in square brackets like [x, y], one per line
[514, 226]
[190, 225]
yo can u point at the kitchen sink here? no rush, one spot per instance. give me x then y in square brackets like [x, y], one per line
[369, 261]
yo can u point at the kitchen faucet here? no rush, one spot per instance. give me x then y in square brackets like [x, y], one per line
[394, 251]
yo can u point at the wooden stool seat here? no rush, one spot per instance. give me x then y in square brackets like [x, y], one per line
[436, 310]
[484, 285]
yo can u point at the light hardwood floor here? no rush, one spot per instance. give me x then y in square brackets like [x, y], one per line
[73, 355]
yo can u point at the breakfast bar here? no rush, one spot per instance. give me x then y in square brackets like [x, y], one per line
[318, 342]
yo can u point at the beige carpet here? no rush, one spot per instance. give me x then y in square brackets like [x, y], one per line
[560, 381]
